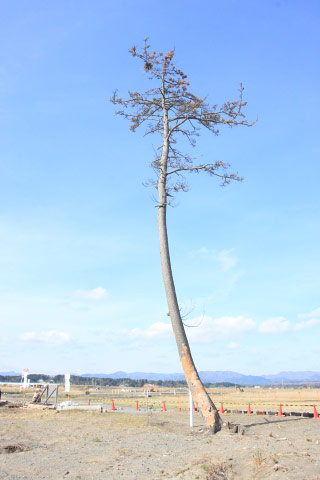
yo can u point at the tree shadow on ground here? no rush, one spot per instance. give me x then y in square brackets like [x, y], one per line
[272, 422]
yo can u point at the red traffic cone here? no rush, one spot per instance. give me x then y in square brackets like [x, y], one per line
[280, 411]
[315, 413]
[113, 407]
[250, 412]
[221, 408]
[137, 406]
[89, 403]
[164, 407]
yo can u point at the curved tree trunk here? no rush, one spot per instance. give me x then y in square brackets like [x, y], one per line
[199, 393]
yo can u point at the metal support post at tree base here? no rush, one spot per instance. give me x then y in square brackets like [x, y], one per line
[191, 409]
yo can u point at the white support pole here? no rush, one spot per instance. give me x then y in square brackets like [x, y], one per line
[25, 378]
[191, 408]
[67, 382]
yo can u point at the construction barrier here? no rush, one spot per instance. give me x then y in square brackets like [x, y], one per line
[223, 410]
[240, 407]
[280, 411]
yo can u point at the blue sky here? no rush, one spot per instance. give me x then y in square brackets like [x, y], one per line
[80, 277]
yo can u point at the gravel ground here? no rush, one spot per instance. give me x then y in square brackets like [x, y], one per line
[89, 445]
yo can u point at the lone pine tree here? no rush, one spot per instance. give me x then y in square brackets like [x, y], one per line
[171, 110]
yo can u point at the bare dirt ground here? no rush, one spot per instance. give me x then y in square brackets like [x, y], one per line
[88, 445]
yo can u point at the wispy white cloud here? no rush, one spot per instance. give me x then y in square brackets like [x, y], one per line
[209, 330]
[275, 325]
[50, 337]
[307, 324]
[156, 330]
[279, 325]
[98, 294]
[204, 329]
[314, 314]
[225, 258]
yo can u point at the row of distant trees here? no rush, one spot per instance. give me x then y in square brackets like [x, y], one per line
[106, 382]
[134, 383]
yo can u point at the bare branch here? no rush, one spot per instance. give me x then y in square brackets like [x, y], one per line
[172, 110]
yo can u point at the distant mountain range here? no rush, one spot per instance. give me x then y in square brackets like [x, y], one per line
[294, 377]
[218, 376]
[209, 377]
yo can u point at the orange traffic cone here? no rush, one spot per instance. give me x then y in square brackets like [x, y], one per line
[221, 408]
[280, 411]
[315, 413]
[113, 407]
[137, 406]
[89, 403]
[164, 407]
[250, 412]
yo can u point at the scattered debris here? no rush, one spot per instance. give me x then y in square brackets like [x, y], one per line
[14, 448]
[235, 428]
[67, 404]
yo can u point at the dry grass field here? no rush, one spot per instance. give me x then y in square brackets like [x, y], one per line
[37, 443]
[292, 399]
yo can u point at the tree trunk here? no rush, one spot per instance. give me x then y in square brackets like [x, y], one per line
[200, 396]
